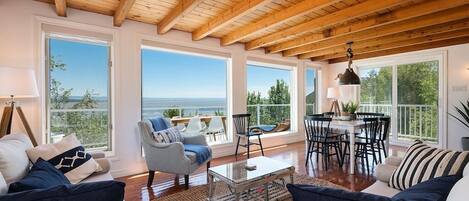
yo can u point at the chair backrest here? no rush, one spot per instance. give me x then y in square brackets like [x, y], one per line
[317, 128]
[216, 124]
[368, 114]
[315, 115]
[242, 123]
[385, 125]
[328, 114]
[372, 129]
[194, 125]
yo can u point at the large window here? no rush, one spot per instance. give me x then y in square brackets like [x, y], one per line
[269, 97]
[78, 90]
[311, 91]
[182, 86]
[409, 92]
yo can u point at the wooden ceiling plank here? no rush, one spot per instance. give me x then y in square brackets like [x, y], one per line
[121, 13]
[276, 18]
[61, 7]
[317, 24]
[405, 13]
[441, 17]
[398, 44]
[416, 33]
[431, 45]
[226, 17]
[184, 7]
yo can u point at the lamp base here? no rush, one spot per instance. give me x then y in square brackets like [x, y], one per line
[7, 119]
[335, 108]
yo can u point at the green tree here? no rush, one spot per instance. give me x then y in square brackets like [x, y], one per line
[170, 113]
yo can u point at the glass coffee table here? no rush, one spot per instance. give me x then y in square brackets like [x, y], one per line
[266, 182]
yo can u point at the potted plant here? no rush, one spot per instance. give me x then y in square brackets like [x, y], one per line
[464, 119]
[348, 110]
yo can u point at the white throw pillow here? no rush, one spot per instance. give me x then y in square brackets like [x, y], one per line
[68, 156]
[459, 191]
[3, 185]
[14, 163]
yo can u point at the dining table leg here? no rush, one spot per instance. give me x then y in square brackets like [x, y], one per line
[352, 150]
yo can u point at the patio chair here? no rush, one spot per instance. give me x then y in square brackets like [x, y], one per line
[216, 127]
[194, 127]
[244, 130]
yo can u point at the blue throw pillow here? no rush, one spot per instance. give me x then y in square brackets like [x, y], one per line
[302, 192]
[436, 189]
[159, 124]
[42, 175]
[94, 191]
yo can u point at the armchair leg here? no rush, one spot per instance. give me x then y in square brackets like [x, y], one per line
[151, 175]
[208, 165]
[186, 181]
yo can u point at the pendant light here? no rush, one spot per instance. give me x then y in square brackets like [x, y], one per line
[349, 77]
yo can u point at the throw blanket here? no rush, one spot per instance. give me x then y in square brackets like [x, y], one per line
[158, 124]
[202, 153]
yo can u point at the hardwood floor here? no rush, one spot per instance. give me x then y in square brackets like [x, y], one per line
[166, 184]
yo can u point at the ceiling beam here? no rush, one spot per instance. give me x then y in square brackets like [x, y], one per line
[227, 17]
[437, 44]
[276, 18]
[320, 23]
[121, 13]
[61, 7]
[411, 24]
[398, 44]
[408, 12]
[406, 35]
[184, 7]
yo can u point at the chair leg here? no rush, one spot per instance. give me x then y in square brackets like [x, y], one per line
[337, 154]
[248, 145]
[151, 175]
[379, 152]
[237, 146]
[208, 165]
[384, 149]
[260, 144]
[186, 181]
[308, 152]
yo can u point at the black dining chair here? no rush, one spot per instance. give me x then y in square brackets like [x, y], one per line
[244, 130]
[320, 140]
[383, 136]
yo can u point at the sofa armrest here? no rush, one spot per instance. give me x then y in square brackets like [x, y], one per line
[393, 160]
[384, 172]
[175, 160]
[196, 139]
[105, 165]
[97, 154]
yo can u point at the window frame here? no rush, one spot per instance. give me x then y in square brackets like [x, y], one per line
[293, 71]
[90, 33]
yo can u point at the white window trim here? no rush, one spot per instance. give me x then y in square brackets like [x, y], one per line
[415, 57]
[40, 45]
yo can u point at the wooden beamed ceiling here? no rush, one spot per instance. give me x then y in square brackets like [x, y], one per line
[308, 29]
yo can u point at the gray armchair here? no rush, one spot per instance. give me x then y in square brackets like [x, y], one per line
[169, 157]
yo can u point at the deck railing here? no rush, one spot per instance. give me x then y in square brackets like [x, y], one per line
[413, 121]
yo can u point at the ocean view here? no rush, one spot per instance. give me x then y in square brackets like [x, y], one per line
[185, 106]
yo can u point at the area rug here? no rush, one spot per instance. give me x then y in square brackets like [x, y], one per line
[199, 193]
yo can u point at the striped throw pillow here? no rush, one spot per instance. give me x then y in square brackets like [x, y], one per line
[169, 135]
[422, 162]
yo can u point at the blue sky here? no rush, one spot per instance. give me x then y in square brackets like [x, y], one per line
[86, 66]
[261, 78]
[310, 78]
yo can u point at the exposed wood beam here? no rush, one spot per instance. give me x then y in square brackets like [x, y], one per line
[408, 12]
[61, 7]
[416, 33]
[122, 11]
[398, 44]
[276, 18]
[320, 23]
[414, 23]
[184, 6]
[227, 17]
[437, 44]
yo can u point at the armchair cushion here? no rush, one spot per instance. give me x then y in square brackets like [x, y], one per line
[96, 191]
[202, 153]
[42, 175]
[169, 135]
[301, 192]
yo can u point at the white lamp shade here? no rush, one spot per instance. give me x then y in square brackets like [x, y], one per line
[332, 93]
[18, 82]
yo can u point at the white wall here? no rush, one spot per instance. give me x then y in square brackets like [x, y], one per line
[457, 76]
[19, 48]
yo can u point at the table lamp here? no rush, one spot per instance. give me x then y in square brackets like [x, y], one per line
[333, 94]
[16, 83]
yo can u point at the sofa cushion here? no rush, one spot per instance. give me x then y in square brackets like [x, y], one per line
[436, 189]
[42, 175]
[302, 192]
[3, 185]
[381, 188]
[68, 156]
[96, 191]
[422, 162]
[14, 163]
[384, 172]
[459, 192]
